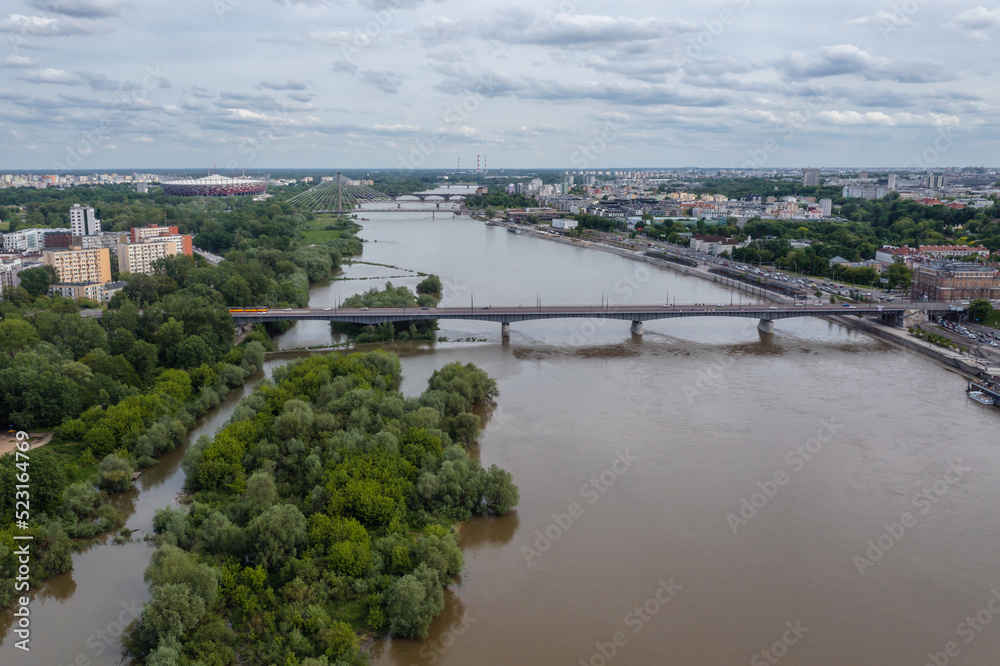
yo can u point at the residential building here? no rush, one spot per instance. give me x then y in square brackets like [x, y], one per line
[952, 251]
[715, 245]
[137, 234]
[139, 257]
[891, 254]
[109, 240]
[77, 265]
[935, 182]
[948, 281]
[810, 177]
[58, 238]
[10, 269]
[521, 215]
[95, 291]
[864, 191]
[25, 240]
[826, 205]
[83, 221]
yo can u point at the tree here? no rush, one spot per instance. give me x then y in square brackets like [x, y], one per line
[898, 275]
[16, 335]
[36, 281]
[500, 493]
[173, 610]
[80, 498]
[980, 309]
[276, 535]
[194, 351]
[171, 565]
[168, 338]
[115, 473]
[429, 285]
[413, 601]
[261, 491]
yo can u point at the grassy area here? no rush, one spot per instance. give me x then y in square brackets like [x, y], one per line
[320, 236]
[327, 227]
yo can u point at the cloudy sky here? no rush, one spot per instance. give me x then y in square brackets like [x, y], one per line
[260, 84]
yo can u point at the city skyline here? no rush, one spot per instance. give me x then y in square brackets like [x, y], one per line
[99, 85]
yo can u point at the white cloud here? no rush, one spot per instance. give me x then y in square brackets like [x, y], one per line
[18, 61]
[87, 9]
[976, 23]
[50, 75]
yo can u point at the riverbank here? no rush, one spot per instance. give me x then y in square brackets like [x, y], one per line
[948, 359]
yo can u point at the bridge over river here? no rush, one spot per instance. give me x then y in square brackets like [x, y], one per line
[897, 314]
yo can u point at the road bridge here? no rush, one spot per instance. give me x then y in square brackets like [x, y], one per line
[898, 314]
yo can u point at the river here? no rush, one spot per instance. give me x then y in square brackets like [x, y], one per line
[696, 495]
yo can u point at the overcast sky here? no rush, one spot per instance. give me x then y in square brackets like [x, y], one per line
[258, 84]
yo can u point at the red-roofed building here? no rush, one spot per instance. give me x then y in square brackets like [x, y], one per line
[155, 232]
[891, 254]
[950, 251]
[930, 202]
[139, 233]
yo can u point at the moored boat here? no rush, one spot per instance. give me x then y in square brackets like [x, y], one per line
[981, 397]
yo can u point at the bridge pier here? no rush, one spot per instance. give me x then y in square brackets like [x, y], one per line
[765, 326]
[505, 331]
[636, 328]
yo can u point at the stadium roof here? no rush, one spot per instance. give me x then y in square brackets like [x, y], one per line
[213, 179]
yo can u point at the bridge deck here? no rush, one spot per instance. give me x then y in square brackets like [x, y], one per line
[623, 312]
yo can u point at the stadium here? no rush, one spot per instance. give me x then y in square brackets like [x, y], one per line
[214, 185]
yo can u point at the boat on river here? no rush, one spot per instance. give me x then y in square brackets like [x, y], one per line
[981, 397]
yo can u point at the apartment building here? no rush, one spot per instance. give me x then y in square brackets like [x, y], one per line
[83, 221]
[139, 257]
[76, 265]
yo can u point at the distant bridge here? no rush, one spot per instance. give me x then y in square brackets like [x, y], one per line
[429, 196]
[897, 314]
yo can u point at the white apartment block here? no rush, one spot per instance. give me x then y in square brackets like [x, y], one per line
[83, 221]
[139, 257]
[25, 240]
